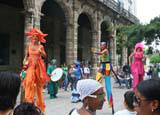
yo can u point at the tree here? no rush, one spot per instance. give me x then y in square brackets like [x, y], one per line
[137, 33]
[134, 33]
[155, 59]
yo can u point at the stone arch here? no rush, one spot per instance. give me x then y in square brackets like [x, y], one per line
[89, 12]
[67, 10]
[12, 46]
[54, 22]
[105, 33]
[85, 30]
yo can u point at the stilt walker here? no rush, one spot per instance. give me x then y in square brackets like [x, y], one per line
[137, 67]
[106, 70]
[36, 72]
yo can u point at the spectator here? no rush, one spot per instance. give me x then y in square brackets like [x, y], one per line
[70, 75]
[155, 70]
[92, 95]
[77, 76]
[150, 72]
[27, 109]
[147, 97]
[128, 104]
[127, 80]
[65, 74]
[9, 89]
[126, 69]
[86, 71]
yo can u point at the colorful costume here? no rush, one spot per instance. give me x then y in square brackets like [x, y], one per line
[99, 76]
[36, 72]
[106, 69]
[137, 67]
[52, 86]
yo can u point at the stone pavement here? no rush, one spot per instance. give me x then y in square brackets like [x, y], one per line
[62, 104]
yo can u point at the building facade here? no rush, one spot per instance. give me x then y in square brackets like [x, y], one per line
[74, 28]
[129, 5]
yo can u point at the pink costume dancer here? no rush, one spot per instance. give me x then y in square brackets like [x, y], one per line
[137, 67]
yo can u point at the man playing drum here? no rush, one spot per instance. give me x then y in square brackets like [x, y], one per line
[52, 86]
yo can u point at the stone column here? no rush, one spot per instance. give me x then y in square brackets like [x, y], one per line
[27, 25]
[69, 44]
[29, 11]
[98, 35]
[75, 35]
[113, 47]
[37, 13]
[124, 53]
[37, 22]
[94, 57]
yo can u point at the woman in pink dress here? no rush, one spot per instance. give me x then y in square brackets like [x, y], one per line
[137, 67]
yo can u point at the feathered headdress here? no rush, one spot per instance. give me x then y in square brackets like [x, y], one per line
[37, 32]
[138, 45]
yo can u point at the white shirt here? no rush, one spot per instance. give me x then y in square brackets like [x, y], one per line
[125, 112]
[75, 112]
[86, 70]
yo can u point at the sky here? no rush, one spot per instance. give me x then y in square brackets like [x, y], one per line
[147, 10]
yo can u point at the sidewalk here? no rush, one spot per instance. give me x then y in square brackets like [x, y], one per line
[62, 105]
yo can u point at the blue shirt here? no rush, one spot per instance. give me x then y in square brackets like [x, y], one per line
[76, 73]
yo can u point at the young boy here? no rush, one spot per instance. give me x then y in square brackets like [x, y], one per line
[128, 104]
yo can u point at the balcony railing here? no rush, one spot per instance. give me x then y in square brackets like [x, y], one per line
[120, 10]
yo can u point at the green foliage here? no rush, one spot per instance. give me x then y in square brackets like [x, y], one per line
[155, 59]
[152, 32]
[137, 33]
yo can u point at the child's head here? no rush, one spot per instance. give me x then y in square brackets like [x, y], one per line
[128, 100]
[27, 109]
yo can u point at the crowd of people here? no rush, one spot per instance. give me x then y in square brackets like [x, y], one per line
[144, 99]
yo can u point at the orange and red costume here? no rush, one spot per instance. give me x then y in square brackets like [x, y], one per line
[36, 72]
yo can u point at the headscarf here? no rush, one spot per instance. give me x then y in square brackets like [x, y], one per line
[138, 45]
[37, 32]
[87, 87]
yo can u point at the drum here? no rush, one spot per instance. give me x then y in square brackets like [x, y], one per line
[56, 75]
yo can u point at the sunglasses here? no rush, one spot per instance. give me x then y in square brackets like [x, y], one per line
[100, 96]
[137, 101]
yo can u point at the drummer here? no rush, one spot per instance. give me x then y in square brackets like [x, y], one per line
[52, 86]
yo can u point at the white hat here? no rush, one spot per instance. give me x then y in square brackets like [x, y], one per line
[87, 87]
